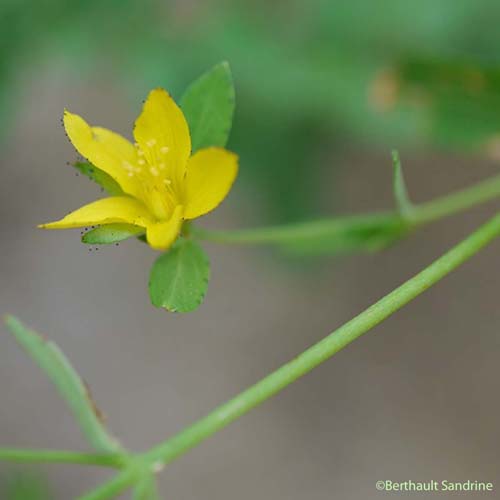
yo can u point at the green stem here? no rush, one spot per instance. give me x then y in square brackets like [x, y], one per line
[458, 201]
[146, 488]
[179, 444]
[419, 215]
[59, 456]
[327, 347]
[292, 232]
[115, 486]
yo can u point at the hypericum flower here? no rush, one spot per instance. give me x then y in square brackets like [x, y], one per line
[162, 183]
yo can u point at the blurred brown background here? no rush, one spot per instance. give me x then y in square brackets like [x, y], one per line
[416, 398]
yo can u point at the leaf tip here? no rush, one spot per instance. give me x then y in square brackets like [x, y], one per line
[395, 158]
[13, 323]
[225, 63]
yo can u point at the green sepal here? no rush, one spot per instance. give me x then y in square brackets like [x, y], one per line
[179, 277]
[208, 105]
[100, 177]
[111, 233]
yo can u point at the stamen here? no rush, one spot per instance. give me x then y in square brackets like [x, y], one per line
[164, 149]
[154, 171]
[151, 143]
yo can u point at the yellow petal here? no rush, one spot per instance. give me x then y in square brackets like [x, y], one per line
[108, 151]
[210, 175]
[105, 211]
[162, 134]
[161, 235]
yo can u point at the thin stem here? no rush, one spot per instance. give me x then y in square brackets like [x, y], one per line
[60, 456]
[420, 214]
[323, 350]
[292, 232]
[179, 444]
[115, 486]
[146, 488]
[458, 201]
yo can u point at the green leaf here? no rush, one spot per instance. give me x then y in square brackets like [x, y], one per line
[179, 278]
[100, 177]
[111, 233]
[70, 386]
[403, 202]
[208, 105]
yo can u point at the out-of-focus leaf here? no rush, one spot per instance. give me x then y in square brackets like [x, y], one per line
[347, 235]
[111, 233]
[100, 177]
[403, 202]
[323, 67]
[26, 486]
[461, 97]
[208, 105]
[69, 385]
[179, 278]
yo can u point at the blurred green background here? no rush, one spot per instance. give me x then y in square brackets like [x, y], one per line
[319, 85]
[311, 77]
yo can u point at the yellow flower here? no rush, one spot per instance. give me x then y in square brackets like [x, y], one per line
[163, 183]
